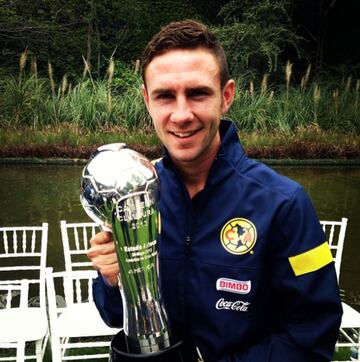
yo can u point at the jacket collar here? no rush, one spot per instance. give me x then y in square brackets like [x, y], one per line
[230, 144]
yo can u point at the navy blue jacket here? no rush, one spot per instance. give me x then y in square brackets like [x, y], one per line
[245, 268]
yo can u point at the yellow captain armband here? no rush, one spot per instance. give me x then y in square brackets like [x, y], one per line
[311, 260]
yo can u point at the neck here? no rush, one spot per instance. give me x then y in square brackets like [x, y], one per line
[194, 173]
[194, 179]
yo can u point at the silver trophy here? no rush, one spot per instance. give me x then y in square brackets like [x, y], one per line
[119, 187]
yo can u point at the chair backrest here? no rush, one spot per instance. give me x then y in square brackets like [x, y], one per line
[75, 322]
[75, 286]
[78, 286]
[335, 235]
[23, 258]
[14, 295]
[75, 239]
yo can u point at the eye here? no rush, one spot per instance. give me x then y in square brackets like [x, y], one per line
[164, 95]
[198, 93]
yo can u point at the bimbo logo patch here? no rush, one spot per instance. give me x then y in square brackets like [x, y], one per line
[233, 286]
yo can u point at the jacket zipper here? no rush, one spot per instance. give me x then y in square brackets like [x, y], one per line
[187, 262]
[187, 245]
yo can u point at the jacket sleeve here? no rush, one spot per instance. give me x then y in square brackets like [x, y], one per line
[108, 302]
[303, 277]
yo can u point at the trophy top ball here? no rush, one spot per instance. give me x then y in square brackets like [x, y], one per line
[113, 172]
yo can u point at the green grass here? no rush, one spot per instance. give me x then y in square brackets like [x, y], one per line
[310, 134]
[74, 136]
[342, 354]
[66, 141]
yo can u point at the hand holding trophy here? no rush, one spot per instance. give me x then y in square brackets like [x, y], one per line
[120, 188]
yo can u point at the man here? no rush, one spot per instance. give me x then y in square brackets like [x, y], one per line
[245, 270]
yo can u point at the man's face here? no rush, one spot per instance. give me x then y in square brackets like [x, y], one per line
[184, 98]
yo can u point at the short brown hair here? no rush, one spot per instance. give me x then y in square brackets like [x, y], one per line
[186, 34]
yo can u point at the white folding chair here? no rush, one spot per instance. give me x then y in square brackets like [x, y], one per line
[77, 330]
[350, 325]
[75, 239]
[23, 317]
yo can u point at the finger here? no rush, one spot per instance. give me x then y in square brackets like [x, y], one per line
[106, 263]
[110, 272]
[101, 237]
[103, 260]
[101, 249]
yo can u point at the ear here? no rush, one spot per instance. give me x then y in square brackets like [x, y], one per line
[145, 95]
[228, 94]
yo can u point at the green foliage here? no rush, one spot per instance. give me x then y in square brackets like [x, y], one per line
[61, 32]
[319, 105]
[53, 31]
[137, 21]
[87, 105]
[25, 102]
[125, 76]
[29, 101]
[255, 33]
[132, 111]
[98, 104]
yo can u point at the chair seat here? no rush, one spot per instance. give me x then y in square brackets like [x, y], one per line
[82, 319]
[22, 324]
[351, 317]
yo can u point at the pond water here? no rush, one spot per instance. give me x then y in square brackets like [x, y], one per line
[31, 194]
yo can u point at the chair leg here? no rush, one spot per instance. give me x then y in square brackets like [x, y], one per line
[55, 349]
[39, 351]
[20, 351]
[355, 350]
[64, 342]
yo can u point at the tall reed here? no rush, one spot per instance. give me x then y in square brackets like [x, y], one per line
[29, 100]
[22, 63]
[111, 70]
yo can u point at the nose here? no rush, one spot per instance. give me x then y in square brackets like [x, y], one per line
[182, 111]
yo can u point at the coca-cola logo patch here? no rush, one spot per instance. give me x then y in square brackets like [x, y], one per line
[237, 306]
[233, 286]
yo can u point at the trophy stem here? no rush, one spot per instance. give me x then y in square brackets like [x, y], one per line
[134, 224]
[148, 344]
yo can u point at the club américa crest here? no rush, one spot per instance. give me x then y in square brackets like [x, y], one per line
[238, 236]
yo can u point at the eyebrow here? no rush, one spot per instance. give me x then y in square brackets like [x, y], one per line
[160, 91]
[200, 89]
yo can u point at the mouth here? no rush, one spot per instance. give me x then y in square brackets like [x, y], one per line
[184, 134]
